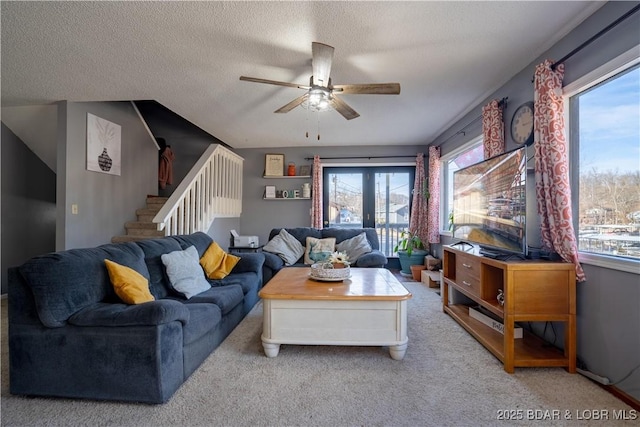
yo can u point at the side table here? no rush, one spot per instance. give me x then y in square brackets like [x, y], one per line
[245, 249]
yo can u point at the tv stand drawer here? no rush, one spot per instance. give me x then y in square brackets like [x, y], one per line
[468, 272]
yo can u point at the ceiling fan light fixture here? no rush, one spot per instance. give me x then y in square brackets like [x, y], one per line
[318, 100]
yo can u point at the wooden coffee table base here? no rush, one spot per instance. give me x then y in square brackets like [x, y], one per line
[369, 309]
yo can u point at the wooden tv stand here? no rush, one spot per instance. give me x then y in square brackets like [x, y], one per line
[534, 290]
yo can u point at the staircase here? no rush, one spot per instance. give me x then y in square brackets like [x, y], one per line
[212, 189]
[144, 227]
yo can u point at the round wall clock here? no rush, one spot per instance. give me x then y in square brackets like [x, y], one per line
[522, 124]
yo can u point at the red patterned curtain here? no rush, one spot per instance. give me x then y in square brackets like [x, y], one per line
[433, 206]
[492, 129]
[552, 166]
[316, 194]
[419, 215]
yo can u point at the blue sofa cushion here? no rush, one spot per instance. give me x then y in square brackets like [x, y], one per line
[153, 250]
[199, 239]
[65, 282]
[225, 297]
[372, 259]
[147, 314]
[247, 281]
[202, 319]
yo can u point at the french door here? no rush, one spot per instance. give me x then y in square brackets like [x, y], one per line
[379, 197]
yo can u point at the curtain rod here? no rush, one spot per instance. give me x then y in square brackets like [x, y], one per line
[363, 157]
[592, 39]
[595, 37]
[501, 103]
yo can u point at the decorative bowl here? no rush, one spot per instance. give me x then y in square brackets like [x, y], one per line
[327, 271]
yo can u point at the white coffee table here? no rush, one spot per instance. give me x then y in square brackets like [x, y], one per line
[368, 309]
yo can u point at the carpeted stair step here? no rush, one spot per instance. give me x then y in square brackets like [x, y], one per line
[143, 228]
[139, 228]
[147, 214]
[154, 202]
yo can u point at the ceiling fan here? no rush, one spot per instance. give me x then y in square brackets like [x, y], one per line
[321, 94]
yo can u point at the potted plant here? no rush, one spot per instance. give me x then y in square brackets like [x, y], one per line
[411, 251]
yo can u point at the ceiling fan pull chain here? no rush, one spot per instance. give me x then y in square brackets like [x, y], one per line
[318, 113]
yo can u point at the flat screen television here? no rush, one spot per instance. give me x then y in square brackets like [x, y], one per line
[489, 205]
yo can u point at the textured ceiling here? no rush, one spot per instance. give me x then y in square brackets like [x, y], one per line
[188, 56]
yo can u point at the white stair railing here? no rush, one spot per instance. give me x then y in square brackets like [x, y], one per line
[213, 188]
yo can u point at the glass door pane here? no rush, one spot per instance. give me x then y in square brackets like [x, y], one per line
[343, 204]
[375, 197]
[392, 207]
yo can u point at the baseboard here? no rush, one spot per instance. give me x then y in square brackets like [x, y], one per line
[622, 395]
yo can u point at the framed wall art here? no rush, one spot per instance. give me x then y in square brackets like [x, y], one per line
[305, 170]
[274, 165]
[103, 145]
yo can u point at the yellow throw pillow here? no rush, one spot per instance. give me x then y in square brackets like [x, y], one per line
[131, 286]
[217, 263]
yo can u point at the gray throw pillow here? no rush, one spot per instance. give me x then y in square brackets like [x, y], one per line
[286, 247]
[355, 247]
[185, 273]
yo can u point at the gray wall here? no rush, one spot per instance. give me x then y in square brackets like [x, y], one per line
[260, 216]
[28, 204]
[105, 202]
[608, 316]
[187, 141]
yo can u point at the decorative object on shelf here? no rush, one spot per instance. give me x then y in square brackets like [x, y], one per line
[274, 165]
[305, 170]
[522, 124]
[291, 169]
[411, 251]
[103, 145]
[270, 191]
[500, 297]
[306, 190]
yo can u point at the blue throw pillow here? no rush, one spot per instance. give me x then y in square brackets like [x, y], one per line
[185, 273]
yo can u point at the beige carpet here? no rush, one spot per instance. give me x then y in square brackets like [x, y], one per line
[445, 379]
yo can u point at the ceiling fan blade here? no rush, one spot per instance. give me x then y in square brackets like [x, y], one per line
[293, 104]
[273, 82]
[341, 107]
[322, 56]
[368, 88]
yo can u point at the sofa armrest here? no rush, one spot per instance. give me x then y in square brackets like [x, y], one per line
[148, 314]
[249, 263]
[273, 261]
[375, 258]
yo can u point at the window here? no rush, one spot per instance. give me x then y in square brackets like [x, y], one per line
[468, 154]
[604, 117]
[380, 197]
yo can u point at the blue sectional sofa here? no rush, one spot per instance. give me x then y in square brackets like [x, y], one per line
[71, 336]
[273, 263]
